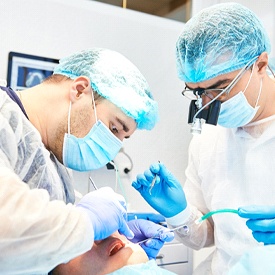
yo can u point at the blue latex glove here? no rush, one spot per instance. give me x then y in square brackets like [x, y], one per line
[107, 212]
[261, 222]
[144, 229]
[167, 196]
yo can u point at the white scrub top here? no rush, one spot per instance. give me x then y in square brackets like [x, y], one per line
[228, 168]
[35, 234]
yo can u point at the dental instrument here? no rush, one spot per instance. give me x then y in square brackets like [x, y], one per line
[92, 182]
[152, 184]
[209, 214]
[185, 227]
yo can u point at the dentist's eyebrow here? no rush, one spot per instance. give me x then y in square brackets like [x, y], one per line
[125, 128]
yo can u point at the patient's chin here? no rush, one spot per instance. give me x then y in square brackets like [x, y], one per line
[138, 256]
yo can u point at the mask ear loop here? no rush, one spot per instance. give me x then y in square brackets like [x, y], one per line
[69, 118]
[94, 105]
[249, 78]
[261, 85]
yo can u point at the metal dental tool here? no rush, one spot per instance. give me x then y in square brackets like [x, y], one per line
[92, 182]
[153, 183]
[185, 227]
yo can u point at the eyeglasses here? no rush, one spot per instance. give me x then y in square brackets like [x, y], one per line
[215, 93]
[194, 94]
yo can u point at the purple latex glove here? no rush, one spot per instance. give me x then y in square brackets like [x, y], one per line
[144, 229]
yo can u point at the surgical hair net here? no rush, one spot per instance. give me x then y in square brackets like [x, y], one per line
[218, 40]
[115, 78]
[149, 268]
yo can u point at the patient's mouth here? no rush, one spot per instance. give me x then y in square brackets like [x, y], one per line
[115, 247]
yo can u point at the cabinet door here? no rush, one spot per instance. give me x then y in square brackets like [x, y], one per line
[179, 269]
[172, 253]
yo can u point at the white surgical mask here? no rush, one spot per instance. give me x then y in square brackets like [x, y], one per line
[93, 151]
[237, 112]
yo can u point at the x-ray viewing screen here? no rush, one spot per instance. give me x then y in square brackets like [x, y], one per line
[25, 71]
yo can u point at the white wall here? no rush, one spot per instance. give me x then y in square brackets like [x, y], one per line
[55, 28]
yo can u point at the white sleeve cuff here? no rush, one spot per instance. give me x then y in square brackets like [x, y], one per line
[180, 218]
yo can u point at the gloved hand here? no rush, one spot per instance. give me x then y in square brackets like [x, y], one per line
[261, 222]
[144, 229]
[167, 195]
[107, 212]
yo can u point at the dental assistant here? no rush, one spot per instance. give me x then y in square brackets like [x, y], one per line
[77, 118]
[222, 53]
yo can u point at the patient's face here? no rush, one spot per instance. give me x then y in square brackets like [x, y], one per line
[106, 256]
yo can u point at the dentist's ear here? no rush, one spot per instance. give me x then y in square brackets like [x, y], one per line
[262, 63]
[80, 86]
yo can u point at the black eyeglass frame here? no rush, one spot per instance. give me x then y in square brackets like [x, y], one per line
[196, 93]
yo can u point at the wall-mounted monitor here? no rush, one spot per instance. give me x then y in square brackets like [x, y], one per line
[25, 71]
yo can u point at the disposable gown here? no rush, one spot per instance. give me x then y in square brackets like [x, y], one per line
[35, 234]
[228, 168]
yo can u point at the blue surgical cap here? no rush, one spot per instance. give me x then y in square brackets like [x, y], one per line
[218, 40]
[115, 78]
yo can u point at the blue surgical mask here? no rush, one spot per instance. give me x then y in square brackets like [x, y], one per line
[237, 112]
[93, 151]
